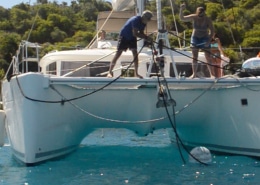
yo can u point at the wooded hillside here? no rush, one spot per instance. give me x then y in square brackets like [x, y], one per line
[58, 26]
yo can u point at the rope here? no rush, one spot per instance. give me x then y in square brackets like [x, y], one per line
[173, 123]
[95, 38]
[33, 25]
[233, 71]
[175, 24]
[107, 119]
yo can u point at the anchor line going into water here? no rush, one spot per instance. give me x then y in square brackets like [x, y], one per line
[173, 122]
[204, 50]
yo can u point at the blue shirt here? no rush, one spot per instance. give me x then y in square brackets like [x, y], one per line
[133, 22]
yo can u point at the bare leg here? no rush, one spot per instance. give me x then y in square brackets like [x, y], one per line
[135, 55]
[213, 66]
[207, 56]
[113, 63]
[195, 52]
[219, 67]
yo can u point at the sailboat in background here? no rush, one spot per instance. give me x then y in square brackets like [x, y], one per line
[49, 111]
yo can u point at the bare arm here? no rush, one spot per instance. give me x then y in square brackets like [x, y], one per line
[211, 28]
[139, 34]
[186, 18]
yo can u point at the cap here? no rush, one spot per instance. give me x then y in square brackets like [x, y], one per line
[147, 14]
[201, 9]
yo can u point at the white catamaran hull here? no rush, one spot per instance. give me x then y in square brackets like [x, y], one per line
[49, 116]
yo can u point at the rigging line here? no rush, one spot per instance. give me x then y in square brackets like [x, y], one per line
[79, 97]
[175, 24]
[201, 49]
[200, 95]
[36, 100]
[184, 54]
[241, 83]
[181, 142]
[107, 119]
[232, 70]
[33, 24]
[173, 124]
[229, 26]
[75, 70]
[211, 86]
[92, 41]
[153, 48]
[178, 139]
[165, 105]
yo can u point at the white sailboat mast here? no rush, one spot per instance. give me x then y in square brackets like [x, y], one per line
[162, 37]
[159, 14]
[140, 7]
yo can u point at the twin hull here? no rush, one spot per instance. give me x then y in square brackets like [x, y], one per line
[50, 116]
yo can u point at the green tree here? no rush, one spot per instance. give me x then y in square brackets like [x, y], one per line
[8, 46]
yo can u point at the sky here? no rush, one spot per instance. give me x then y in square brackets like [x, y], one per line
[10, 3]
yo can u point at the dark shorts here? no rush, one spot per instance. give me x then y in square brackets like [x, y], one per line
[199, 42]
[124, 44]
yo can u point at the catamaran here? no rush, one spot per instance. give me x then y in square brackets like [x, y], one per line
[52, 103]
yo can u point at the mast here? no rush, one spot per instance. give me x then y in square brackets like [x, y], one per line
[139, 11]
[162, 37]
[140, 7]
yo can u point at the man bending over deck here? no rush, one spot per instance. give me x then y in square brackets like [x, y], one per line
[133, 28]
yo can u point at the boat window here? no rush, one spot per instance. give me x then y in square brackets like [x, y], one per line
[256, 63]
[29, 59]
[185, 69]
[79, 68]
[51, 69]
[82, 69]
[155, 70]
[30, 66]
[112, 36]
[127, 72]
[251, 64]
[97, 68]
[246, 65]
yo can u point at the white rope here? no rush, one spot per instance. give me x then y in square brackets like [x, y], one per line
[95, 38]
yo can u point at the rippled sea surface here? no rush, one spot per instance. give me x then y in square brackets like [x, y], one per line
[119, 157]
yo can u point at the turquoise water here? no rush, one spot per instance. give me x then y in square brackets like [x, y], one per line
[118, 157]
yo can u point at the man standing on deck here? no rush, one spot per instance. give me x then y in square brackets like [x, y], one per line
[133, 28]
